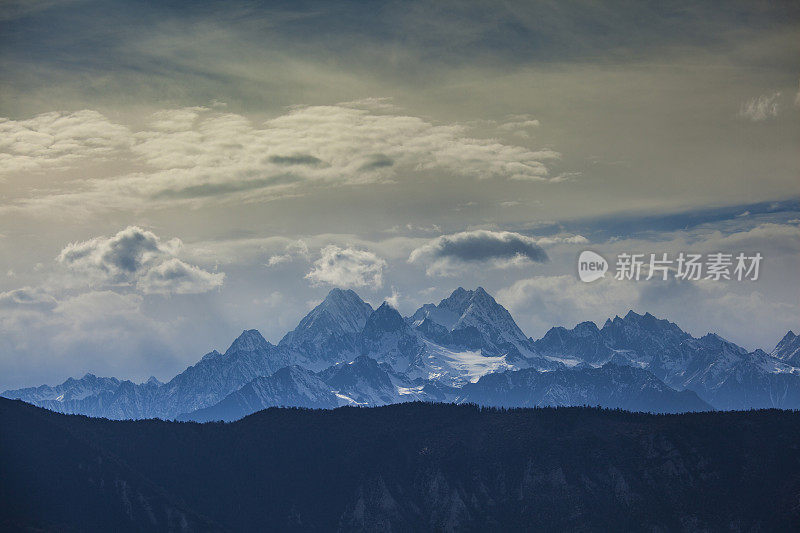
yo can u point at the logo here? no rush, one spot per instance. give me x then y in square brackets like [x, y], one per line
[591, 266]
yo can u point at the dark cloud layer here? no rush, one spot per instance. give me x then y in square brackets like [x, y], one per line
[502, 248]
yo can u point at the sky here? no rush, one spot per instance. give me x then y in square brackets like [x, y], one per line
[172, 173]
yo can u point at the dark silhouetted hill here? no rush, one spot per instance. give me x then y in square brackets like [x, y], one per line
[404, 467]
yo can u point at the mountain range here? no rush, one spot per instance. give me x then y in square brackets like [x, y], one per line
[465, 349]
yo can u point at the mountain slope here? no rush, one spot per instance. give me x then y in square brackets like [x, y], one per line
[583, 343]
[409, 467]
[217, 375]
[610, 386]
[54, 478]
[288, 387]
[362, 382]
[388, 338]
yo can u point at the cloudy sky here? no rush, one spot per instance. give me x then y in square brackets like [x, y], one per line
[172, 173]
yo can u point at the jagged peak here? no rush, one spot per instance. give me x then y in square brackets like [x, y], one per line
[633, 317]
[385, 318]
[461, 298]
[457, 297]
[480, 295]
[89, 377]
[211, 355]
[787, 345]
[586, 325]
[342, 309]
[581, 327]
[292, 371]
[248, 341]
[342, 298]
[712, 339]
[385, 307]
[645, 321]
[339, 294]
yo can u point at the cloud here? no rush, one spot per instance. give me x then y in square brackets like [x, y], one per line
[103, 332]
[394, 299]
[446, 255]
[564, 300]
[274, 251]
[414, 228]
[275, 260]
[175, 120]
[753, 314]
[247, 250]
[519, 125]
[192, 154]
[797, 97]
[761, 108]
[347, 267]
[27, 298]
[777, 238]
[542, 302]
[175, 276]
[137, 258]
[95, 306]
[292, 251]
[56, 140]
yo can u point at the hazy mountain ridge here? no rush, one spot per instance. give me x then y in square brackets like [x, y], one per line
[345, 353]
[722, 373]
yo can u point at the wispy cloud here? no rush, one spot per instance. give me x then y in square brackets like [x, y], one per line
[53, 140]
[797, 97]
[31, 298]
[761, 107]
[198, 154]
